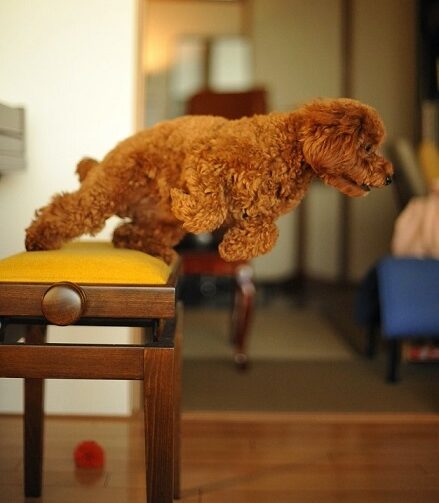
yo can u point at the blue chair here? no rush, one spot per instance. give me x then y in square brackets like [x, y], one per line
[406, 304]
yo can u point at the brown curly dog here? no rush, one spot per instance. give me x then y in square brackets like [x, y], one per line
[198, 173]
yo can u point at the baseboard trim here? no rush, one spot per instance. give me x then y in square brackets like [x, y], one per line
[311, 417]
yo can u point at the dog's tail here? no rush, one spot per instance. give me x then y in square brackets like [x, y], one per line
[84, 166]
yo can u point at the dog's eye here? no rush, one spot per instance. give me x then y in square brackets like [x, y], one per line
[368, 147]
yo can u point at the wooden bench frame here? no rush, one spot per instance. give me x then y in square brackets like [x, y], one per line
[156, 362]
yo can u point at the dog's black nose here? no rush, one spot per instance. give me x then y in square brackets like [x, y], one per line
[389, 180]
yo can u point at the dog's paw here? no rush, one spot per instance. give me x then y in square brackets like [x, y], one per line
[42, 237]
[248, 241]
[32, 244]
[233, 252]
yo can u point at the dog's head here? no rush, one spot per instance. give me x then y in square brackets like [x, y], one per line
[340, 140]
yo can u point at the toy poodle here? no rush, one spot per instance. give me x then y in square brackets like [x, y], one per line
[199, 173]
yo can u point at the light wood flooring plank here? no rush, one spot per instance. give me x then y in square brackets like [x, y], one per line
[240, 458]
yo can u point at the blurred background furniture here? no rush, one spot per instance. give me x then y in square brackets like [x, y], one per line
[399, 297]
[206, 263]
[408, 292]
[408, 178]
[12, 139]
[232, 105]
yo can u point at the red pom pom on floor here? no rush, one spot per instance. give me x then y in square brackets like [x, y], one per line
[89, 454]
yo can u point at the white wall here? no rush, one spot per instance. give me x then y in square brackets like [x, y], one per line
[297, 54]
[297, 47]
[73, 65]
[384, 75]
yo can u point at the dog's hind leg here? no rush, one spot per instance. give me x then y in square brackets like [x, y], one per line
[248, 238]
[70, 215]
[156, 237]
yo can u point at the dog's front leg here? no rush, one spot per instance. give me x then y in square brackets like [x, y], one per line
[202, 205]
[248, 238]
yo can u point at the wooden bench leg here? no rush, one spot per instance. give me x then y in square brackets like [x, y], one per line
[33, 436]
[159, 423]
[33, 424]
[177, 406]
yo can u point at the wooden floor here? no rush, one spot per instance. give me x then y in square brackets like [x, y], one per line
[237, 458]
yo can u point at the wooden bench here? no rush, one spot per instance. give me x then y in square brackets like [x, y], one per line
[92, 283]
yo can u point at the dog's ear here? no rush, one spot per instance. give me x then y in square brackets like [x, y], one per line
[329, 146]
[342, 116]
[331, 129]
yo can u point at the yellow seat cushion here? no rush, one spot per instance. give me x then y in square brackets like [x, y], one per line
[85, 262]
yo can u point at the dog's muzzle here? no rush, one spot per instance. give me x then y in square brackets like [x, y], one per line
[389, 180]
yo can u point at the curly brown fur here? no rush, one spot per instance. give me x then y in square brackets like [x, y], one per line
[199, 173]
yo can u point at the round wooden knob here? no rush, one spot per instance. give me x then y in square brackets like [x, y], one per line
[63, 303]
